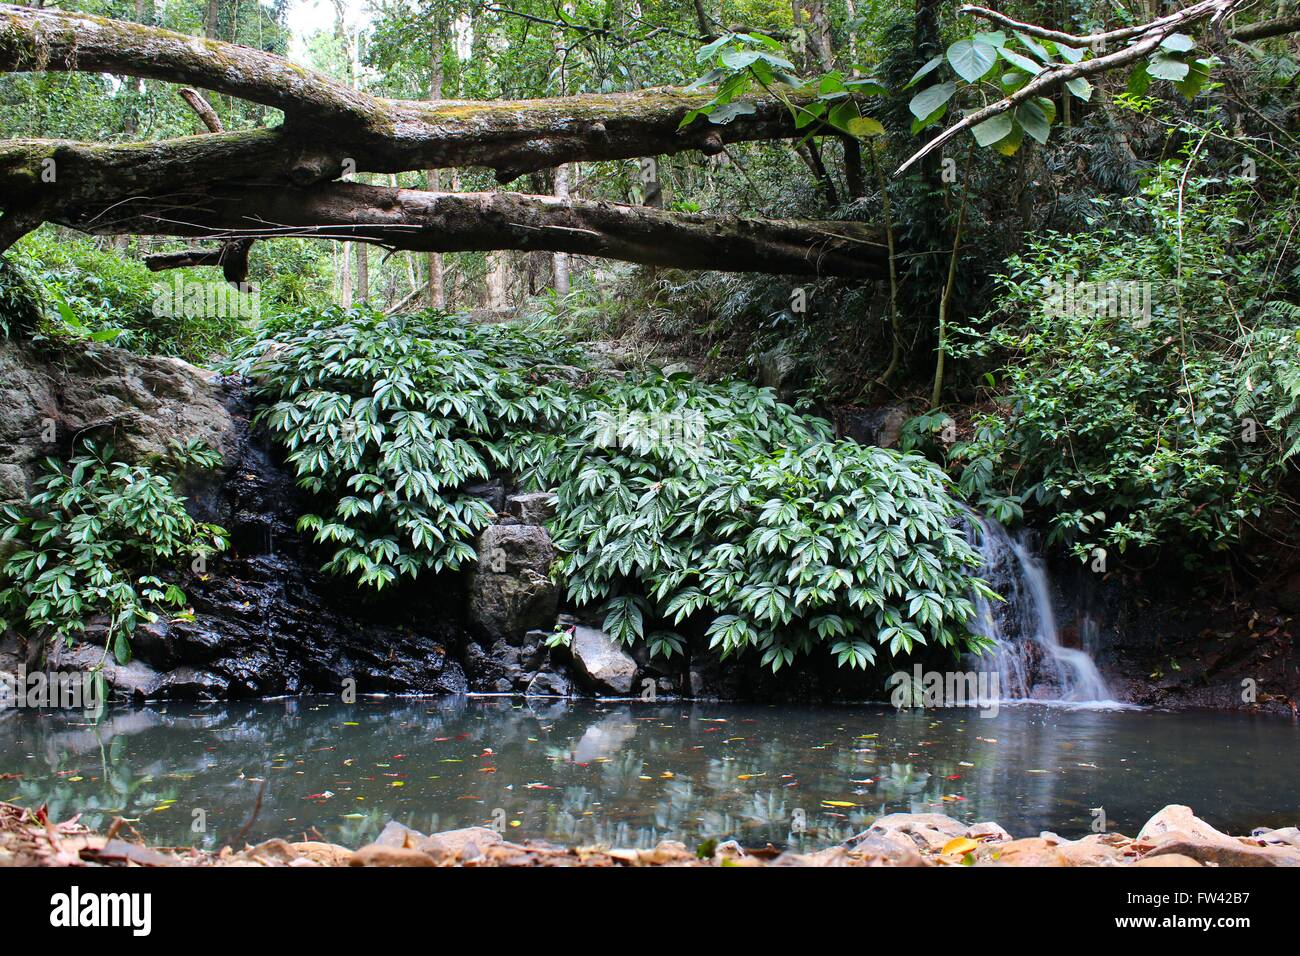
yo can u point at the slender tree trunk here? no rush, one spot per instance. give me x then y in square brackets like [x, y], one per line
[497, 277]
[946, 298]
[363, 271]
[211, 12]
[560, 261]
[895, 329]
[436, 289]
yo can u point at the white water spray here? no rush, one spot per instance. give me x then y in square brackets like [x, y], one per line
[1029, 659]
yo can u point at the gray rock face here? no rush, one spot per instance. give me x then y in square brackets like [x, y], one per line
[778, 370]
[881, 426]
[549, 684]
[134, 679]
[511, 590]
[600, 663]
[535, 507]
[139, 403]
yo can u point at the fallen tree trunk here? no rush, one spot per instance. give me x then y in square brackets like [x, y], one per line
[265, 183]
[512, 137]
[463, 222]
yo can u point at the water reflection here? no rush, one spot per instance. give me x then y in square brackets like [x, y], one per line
[632, 774]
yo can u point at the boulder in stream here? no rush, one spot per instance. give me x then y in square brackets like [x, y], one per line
[600, 662]
[511, 590]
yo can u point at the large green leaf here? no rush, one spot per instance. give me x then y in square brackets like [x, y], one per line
[1198, 74]
[930, 66]
[1162, 67]
[1034, 120]
[992, 130]
[1019, 60]
[932, 98]
[971, 60]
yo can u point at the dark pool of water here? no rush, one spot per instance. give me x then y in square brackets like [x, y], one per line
[631, 774]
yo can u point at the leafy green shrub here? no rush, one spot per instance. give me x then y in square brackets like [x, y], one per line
[101, 535]
[1269, 382]
[20, 300]
[387, 420]
[104, 296]
[681, 501]
[677, 500]
[1123, 408]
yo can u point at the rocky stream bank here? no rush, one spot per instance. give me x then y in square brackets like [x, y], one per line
[1175, 837]
[268, 622]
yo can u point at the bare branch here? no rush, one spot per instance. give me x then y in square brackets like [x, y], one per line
[201, 106]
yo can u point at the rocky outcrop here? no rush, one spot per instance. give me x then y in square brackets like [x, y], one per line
[1170, 639]
[881, 425]
[51, 399]
[899, 840]
[510, 589]
[266, 620]
[534, 507]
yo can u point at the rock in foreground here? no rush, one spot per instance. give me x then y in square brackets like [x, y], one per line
[1173, 837]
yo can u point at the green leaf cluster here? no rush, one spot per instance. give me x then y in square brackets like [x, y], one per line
[389, 420]
[1164, 426]
[98, 539]
[690, 508]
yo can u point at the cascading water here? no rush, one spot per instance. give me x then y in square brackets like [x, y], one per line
[1029, 659]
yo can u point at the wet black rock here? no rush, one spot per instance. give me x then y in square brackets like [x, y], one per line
[267, 621]
[550, 684]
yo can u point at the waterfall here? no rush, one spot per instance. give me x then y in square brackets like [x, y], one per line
[1029, 659]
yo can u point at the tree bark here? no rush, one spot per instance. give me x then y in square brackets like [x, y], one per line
[436, 291]
[560, 261]
[266, 183]
[489, 221]
[379, 135]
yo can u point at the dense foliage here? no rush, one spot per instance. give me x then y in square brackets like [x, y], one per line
[102, 537]
[99, 295]
[1151, 400]
[20, 301]
[388, 420]
[681, 502]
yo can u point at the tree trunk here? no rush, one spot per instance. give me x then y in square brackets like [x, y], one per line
[363, 272]
[560, 261]
[496, 281]
[476, 222]
[259, 184]
[436, 289]
[211, 12]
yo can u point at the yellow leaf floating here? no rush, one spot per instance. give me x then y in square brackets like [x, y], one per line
[959, 846]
